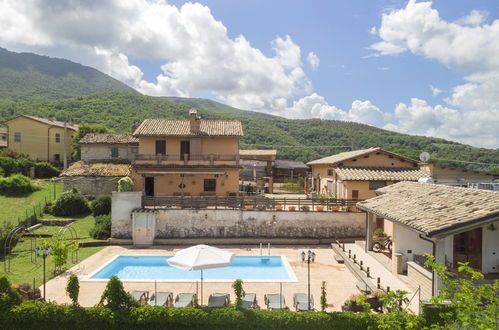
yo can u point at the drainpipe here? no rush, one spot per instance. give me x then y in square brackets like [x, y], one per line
[368, 241]
[48, 143]
[433, 253]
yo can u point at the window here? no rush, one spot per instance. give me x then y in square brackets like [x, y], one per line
[210, 185]
[17, 137]
[57, 158]
[373, 185]
[355, 194]
[160, 147]
[330, 172]
[185, 150]
[57, 138]
[114, 152]
[380, 223]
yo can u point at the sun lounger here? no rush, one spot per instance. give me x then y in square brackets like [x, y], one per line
[219, 300]
[275, 301]
[184, 300]
[249, 300]
[161, 299]
[140, 296]
[300, 302]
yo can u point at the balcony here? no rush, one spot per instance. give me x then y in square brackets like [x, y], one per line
[188, 159]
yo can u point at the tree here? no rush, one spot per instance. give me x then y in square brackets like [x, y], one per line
[115, 296]
[323, 296]
[9, 297]
[237, 285]
[84, 129]
[474, 305]
[73, 288]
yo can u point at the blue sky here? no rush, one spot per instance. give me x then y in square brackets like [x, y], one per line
[427, 68]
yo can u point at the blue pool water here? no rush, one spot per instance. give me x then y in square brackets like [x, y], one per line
[156, 268]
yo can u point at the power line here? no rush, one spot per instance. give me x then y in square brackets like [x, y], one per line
[291, 146]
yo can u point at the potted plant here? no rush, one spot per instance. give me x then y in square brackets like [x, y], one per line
[379, 235]
[291, 208]
[376, 300]
[335, 208]
[305, 208]
[248, 207]
[278, 208]
[355, 303]
[319, 208]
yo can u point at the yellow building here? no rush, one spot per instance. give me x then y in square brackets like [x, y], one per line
[42, 139]
[190, 157]
[3, 137]
[357, 174]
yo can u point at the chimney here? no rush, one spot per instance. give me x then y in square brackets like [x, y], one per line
[71, 122]
[194, 121]
[134, 127]
[52, 118]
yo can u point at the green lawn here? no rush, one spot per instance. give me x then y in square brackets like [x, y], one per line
[13, 209]
[82, 225]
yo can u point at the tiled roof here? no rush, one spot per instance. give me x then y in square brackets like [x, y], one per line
[180, 127]
[433, 209]
[96, 169]
[46, 121]
[380, 173]
[103, 138]
[343, 156]
[258, 152]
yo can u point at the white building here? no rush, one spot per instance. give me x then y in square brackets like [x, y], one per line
[452, 223]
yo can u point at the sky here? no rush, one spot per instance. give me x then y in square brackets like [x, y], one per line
[416, 67]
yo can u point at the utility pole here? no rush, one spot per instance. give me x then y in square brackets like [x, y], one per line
[64, 153]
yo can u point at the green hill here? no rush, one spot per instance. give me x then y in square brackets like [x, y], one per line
[294, 139]
[27, 76]
[216, 107]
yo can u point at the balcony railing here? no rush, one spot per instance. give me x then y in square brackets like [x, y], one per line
[257, 203]
[187, 157]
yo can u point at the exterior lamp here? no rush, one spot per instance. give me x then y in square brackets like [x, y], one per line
[308, 256]
[44, 253]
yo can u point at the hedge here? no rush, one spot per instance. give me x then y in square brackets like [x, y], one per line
[70, 203]
[44, 170]
[39, 315]
[16, 184]
[101, 205]
[102, 227]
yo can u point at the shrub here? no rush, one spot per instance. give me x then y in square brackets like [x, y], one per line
[4, 232]
[237, 285]
[1, 172]
[102, 227]
[73, 288]
[125, 184]
[115, 296]
[101, 205]
[46, 170]
[9, 166]
[323, 296]
[71, 203]
[9, 297]
[16, 184]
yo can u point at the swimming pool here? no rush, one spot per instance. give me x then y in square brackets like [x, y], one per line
[247, 268]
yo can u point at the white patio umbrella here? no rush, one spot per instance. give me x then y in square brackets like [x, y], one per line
[201, 257]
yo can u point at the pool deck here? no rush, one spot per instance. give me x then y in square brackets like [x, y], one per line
[340, 281]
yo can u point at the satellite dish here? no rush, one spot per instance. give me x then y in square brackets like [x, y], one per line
[424, 156]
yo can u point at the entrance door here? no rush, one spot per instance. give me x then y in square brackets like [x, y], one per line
[143, 228]
[185, 148]
[468, 248]
[149, 186]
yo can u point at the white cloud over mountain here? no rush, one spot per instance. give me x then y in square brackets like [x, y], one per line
[198, 56]
[467, 46]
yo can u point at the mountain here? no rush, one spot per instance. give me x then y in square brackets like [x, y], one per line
[28, 76]
[44, 86]
[294, 139]
[214, 106]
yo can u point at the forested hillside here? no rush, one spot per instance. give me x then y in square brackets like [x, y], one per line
[294, 139]
[27, 76]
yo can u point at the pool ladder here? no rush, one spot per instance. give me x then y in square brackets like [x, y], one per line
[261, 249]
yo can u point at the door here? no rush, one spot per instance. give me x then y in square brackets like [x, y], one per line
[143, 228]
[149, 186]
[185, 148]
[468, 248]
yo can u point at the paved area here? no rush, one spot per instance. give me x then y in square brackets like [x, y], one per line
[340, 281]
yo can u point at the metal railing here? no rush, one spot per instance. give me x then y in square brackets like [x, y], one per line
[179, 157]
[257, 203]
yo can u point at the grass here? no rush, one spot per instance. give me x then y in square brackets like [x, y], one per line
[17, 208]
[23, 270]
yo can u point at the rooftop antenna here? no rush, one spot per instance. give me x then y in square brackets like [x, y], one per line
[424, 157]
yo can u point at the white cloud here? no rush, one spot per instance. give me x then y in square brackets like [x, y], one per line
[435, 91]
[468, 46]
[476, 17]
[313, 60]
[198, 54]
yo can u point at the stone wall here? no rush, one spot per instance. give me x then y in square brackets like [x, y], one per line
[101, 152]
[91, 186]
